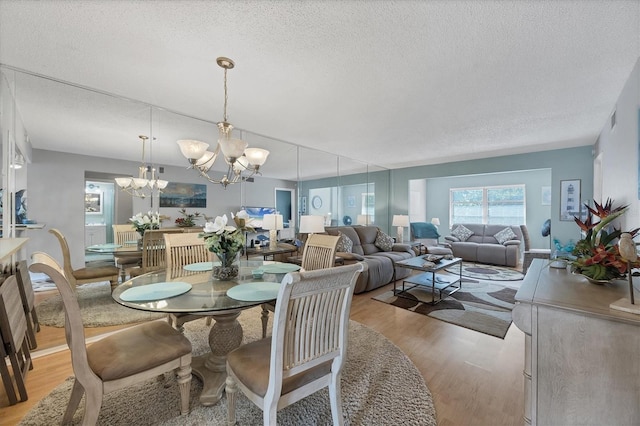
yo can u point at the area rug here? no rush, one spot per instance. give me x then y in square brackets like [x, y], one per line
[480, 306]
[486, 272]
[380, 385]
[97, 307]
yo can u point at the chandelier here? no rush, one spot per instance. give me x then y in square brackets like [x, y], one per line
[147, 179]
[242, 162]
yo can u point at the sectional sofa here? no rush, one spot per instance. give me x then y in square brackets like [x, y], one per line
[380, 269]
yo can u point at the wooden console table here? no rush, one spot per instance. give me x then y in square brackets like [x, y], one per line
[581, 358]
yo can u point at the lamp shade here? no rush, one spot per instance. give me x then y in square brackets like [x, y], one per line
[310, 224]
[435, 221]
[363, 219]
[272, 222]
[192, 149]
[400, 220]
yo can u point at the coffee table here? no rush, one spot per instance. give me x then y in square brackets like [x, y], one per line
[444, 284]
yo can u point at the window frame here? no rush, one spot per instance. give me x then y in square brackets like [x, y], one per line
[485, 200]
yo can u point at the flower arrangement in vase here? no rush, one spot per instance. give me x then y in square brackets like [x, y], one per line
[597, 254]
[188, 220]
[141, 222]
[226, 241]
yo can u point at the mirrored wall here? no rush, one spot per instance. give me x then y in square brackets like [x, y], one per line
[83, 135]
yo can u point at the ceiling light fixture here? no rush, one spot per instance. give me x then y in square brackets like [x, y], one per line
[137, 186]
[238, 157]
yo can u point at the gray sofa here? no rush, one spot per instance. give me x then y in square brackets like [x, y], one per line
[379, 270]
[483, 247]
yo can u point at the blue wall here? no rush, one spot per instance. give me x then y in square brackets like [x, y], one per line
[570, 163]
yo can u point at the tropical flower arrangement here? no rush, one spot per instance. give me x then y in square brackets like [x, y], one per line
[226, 241]
[188, 220]
[141, 222]
[597, 254]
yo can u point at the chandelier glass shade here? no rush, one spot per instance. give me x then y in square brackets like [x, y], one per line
[242, 162]
[147, 180]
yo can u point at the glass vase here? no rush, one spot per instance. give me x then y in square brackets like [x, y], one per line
[228, 267]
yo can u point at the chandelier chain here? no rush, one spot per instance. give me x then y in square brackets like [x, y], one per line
[225, 95]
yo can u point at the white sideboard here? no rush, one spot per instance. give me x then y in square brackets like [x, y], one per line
[582, 359]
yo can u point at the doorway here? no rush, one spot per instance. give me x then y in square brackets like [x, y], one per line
[285, 206]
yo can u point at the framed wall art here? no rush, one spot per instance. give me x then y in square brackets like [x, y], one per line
[546, 196]
[569, 199]
[184, 195]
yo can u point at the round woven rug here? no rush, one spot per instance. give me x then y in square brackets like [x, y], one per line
[487, 272]
[97, 307]
[380, 385]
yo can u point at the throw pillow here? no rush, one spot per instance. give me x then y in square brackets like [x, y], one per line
[505, 235]
[462, 233]
[345, 245]
[383, 241]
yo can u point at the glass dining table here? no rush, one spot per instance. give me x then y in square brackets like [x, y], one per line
[130, 250]
[192, 290]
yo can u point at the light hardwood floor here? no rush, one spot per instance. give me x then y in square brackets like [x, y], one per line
[474, 379]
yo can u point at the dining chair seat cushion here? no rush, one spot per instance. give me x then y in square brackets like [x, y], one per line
[251, 362]
[136, 349]
[96, 272]
[127, 260]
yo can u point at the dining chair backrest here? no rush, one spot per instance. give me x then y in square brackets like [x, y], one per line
[154, 249]
[130, 356]
[42, 257]
[185, 248]
[308, 344]
[28, 302]
[83, 275]
[124, 233]
[14, 345]
[319, 252]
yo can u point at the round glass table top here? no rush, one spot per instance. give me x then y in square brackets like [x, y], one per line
[206, 295]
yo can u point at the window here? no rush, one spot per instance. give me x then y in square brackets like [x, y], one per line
[504, 205]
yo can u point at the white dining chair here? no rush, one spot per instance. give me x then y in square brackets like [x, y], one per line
[307, 348]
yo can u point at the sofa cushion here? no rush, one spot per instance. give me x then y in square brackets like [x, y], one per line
[462, 233]
[345, 245]
[350, 232]
[368, 235]
[383, 241]
[505, 235]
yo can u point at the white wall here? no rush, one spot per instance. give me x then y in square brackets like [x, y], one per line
[617, 151]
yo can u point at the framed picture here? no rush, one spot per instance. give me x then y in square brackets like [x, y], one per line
[184, 195]
[351, 201]
[570, 203]
[93, 202]
[546, 196]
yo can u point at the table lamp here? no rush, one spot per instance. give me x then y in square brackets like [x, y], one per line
[274, 223]
[363, 219]
[311, 224]
[400, 220]
[435, 221]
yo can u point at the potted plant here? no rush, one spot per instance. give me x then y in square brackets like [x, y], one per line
[597, 254]
[188, 220]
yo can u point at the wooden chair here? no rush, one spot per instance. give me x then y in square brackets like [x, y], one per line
[153, 251]
[319, 253]
[183, 249]
[28, 302]
[84, 275]
[15, 344]
[307, 349]
[121, 235]
[131, 356]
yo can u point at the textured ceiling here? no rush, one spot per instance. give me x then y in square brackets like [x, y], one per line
[393, 83]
